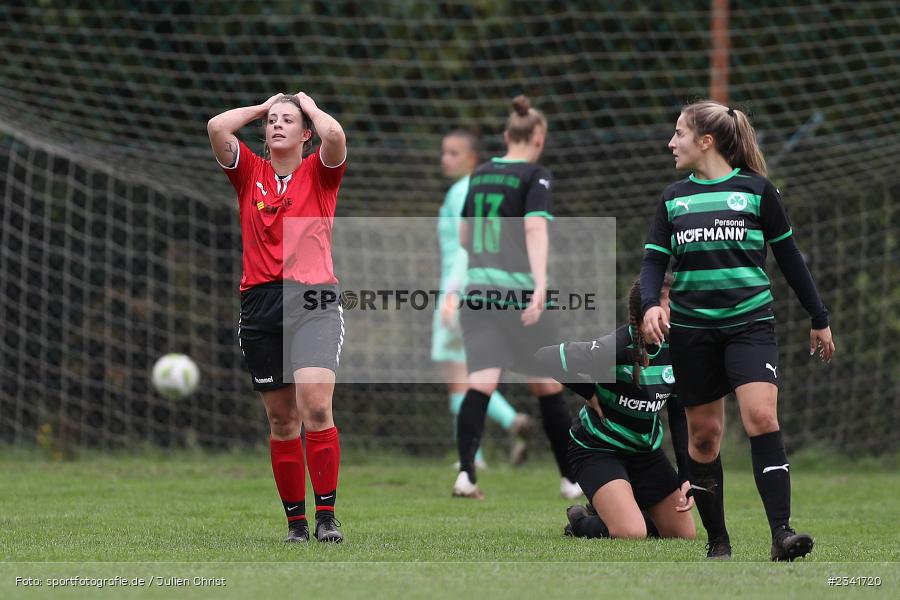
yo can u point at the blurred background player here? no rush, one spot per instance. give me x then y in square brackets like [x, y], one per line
[289, 185]
[505, 232]
[459, 156]
[716, 223]
[615, 448]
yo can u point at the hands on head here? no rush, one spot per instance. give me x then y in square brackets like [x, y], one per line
[306, 103]
[265, 106]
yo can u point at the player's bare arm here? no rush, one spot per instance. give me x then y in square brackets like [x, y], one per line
[222, 128]
[537, 241]
[334, 143]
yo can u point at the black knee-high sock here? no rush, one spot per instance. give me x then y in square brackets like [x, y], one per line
[590, 527]
[707, 485]
[469, 427]
[770, 469]
[557, 420]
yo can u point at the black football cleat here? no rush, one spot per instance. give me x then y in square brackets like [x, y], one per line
[787, 545]
[327, 529]
[298, 531]
[574, 514]
[719, 548]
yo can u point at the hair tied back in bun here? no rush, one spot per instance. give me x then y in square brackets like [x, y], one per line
[521, 104]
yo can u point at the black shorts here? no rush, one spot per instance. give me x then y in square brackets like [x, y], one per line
[276, 342]
[651, 475]
[710, 363]
[494, 337]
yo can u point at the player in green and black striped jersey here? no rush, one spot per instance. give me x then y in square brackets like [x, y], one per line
[615, 448]
[715, 224]
[504, 229]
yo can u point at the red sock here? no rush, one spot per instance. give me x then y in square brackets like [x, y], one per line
[323, 457]
[290, 476]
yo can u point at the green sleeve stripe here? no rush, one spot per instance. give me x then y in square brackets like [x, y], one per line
[658, 249]
[784, 235]
[540, 213]
[562, 358]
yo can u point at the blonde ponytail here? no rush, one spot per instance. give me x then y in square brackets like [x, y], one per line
[747, 153]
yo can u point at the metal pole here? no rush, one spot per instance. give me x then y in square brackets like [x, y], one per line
[718, 74]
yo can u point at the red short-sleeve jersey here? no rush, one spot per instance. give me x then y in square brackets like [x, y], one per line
[307, 198]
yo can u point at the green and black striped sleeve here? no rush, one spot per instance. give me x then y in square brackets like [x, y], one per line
[578, 364]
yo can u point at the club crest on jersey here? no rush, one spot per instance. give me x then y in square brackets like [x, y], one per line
[737, 201]
[668, 375]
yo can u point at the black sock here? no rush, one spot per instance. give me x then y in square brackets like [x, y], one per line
[770, 469]
[707, 485]
[325, 504]
[557, 420]
[469, 427]
[652, 531]
[590, 527]
[295, 511]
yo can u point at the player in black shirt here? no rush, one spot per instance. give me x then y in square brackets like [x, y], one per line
[715, 223]
[505, 232]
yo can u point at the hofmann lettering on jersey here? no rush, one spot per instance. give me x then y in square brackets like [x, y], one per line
[723, 229]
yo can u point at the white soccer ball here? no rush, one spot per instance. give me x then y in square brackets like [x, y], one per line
[175, 376]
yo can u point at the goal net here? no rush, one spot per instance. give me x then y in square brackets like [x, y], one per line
[119, 239]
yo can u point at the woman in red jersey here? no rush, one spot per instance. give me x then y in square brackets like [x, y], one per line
[292, 360]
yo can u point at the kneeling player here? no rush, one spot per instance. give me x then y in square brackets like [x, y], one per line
[614, 450]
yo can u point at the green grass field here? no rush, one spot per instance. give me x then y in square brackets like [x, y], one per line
[186, 516]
